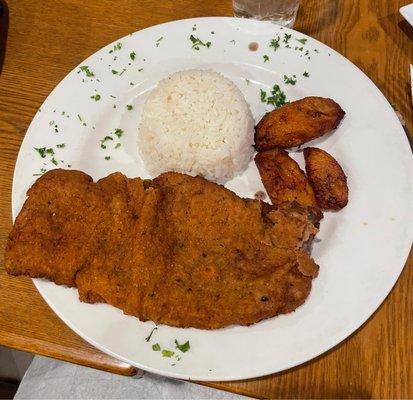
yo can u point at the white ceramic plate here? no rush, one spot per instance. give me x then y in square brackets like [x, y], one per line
[407, 12]
[361, 249]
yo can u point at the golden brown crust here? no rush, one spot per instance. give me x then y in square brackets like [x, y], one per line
[327, 179]
[283, 179]
[297, 123]
[177, 250]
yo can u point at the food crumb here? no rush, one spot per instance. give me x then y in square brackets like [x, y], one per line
[260, 195]
[253, 46]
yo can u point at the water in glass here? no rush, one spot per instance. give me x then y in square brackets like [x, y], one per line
[282, 12]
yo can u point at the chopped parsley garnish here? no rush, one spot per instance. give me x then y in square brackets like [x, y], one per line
[247, 81]
[287, 37]
[117, 145]
[158, 41]
[212, 33]
[148, 338]
[41, 151]
[290, 81]
[116, 47]
[131, 83]
[156, 347]
[60, 146]
[123, 70]
[104, 140]
[167, 353]
[184, 347]
[140, 69]
[118, 132]
[275, 43]
[50, 151]
[114, 72]
[306, 74]
[96, 97]
[233, 41]
[316, 51]
[277, 98]
[302, 41]
[113, 97]
[197, 42]
[54, 161]
[86, 70]
[129, 107]
[132, 56]
[266, 58]
[107, 157]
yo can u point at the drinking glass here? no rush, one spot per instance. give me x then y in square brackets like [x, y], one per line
[282, 12]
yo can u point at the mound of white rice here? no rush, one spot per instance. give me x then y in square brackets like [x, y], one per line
[196, 122]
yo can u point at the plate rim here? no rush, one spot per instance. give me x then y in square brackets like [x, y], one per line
[349, 332]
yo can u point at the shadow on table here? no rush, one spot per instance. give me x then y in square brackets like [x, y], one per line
[4, 27]
[406, 28]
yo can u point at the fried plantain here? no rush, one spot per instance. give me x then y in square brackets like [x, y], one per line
[297, 123]
[283, 179]
[327, 179]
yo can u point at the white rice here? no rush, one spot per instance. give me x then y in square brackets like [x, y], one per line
[196, 122]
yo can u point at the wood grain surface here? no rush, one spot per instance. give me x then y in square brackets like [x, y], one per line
[47, 38]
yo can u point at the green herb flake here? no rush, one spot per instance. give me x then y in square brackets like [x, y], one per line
[233, 41]
[266, 58]
[306, 74]
[117, 145]
[129, 107]
[60, 146]
[86, 70]
[302, 41]
[132, 56]
[140, 69]
[104, 140]
[156, 347]
[107, 158]
[116, 47]
[167, 353]
[123, 70]
[197, 42]
[80, 118]
[287, 37]
[183, 347]
[247, 81]
[118, 132]
[148, 338]
[158, 41]
[96, 97]
[114, 72]
[263, 95]
[277, 98]
[41, 151]
[54, 161]
[290, 80]
[50, 151]
[275, 43]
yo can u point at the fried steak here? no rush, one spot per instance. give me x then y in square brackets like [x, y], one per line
[177, 250]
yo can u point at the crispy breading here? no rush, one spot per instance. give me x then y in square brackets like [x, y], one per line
[297, 123]
[177, 250]
[327, 179]
[283, 179]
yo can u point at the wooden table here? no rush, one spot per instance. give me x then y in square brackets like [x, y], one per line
[47, 38]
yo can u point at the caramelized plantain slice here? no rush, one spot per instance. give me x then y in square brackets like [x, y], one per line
[283, 179]
[297, 123]
[327, 179]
